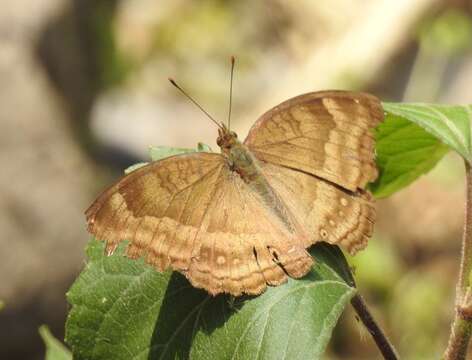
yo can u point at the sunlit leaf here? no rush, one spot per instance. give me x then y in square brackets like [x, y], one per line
[405, 151]
[413, 138]
[450, 124]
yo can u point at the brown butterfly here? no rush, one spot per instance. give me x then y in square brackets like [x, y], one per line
[238, 221]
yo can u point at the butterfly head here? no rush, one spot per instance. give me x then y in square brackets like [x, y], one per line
[226, 138]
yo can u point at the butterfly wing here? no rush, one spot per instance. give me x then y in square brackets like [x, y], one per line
[326, 133]
[192, 213]
[244, 245]
[327, 212]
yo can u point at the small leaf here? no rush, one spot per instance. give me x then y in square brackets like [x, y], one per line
[135, 167]
[55, 350]
[124, 309]
[161, 152]
[450, 124]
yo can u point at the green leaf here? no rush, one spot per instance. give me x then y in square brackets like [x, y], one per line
[135, 167]
[405, 151]
[450, 124]
[123, 309]
[161, 152]
[413, 138]
[55, 350]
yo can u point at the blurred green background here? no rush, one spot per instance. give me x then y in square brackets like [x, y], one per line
[84, 92]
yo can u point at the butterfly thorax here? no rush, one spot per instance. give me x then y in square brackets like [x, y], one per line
[239, 157]
[244, 163]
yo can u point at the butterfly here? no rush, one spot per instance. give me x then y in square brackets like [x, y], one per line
[240, 220]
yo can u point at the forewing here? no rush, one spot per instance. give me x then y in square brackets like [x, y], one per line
[158, 208]
[327, 212]
[326, 133]
[192, 213]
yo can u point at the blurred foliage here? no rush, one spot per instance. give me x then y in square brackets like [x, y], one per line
[450, 33]
[417, 314]
[441, 39]
[220, 28]
[195, 25]
[377, 268]
[113, 64]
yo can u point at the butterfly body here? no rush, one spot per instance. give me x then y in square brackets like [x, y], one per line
[238, 221]
[246, 165]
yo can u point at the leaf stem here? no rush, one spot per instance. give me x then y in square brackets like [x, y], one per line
[461, 329]
[384, 345]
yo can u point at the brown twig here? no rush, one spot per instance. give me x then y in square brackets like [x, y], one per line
[384, 345]
[461, 328]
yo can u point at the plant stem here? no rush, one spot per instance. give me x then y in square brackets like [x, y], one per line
[459, 339]
[359, 305]
[384, 345]
[461, 328]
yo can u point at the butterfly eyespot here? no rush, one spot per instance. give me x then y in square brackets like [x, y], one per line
[344, 202]
[220, 260]
[323, 233]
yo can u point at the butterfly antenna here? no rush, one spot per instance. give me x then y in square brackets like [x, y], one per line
[233, 60]
[172, 81]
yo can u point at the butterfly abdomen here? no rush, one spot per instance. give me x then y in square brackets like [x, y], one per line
[248, 168]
